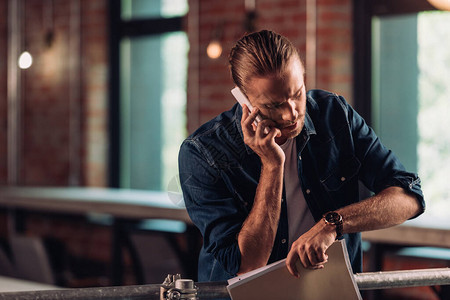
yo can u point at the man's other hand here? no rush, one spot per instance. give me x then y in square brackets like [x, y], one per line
[311, 248]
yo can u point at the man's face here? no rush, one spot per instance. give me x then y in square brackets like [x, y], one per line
[281, 98]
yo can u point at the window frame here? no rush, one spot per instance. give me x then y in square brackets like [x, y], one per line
[363, 12]
[119, 29]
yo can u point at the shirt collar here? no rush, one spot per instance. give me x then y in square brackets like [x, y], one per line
[308, 127]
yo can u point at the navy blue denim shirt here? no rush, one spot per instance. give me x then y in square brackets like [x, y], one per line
[219, 174]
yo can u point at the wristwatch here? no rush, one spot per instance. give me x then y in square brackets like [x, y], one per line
[334, 218]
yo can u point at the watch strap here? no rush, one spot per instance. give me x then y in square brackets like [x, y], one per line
[334, 218]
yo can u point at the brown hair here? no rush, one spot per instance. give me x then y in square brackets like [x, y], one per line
[259, 54]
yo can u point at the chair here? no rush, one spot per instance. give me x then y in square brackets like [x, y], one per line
[156, 256]
[31, 261]
[6, 266]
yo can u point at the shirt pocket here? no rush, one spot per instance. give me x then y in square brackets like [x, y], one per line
[345, 172]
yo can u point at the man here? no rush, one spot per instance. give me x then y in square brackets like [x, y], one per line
[287, 186]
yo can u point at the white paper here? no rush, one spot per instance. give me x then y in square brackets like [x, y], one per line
[334, 281]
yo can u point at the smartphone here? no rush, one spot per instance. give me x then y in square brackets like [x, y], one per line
[240, 97]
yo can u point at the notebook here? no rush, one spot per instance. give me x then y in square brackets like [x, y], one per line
[334, 281]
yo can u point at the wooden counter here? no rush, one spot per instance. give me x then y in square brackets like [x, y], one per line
[9, 284]
[410, 234]
[125, 208]
[120, 203]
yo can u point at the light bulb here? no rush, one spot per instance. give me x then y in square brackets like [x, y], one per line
[214, 49]
[441, 4]
[25, 60]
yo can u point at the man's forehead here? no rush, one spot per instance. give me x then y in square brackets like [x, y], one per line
[276, 95]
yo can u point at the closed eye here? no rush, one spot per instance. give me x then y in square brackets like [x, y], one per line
[273, 106]
[298, 95]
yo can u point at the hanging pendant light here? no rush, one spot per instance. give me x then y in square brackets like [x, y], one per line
[25, 60]
[214, 49]
[441, 4]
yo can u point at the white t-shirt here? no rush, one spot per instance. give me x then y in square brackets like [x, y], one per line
[300, 219]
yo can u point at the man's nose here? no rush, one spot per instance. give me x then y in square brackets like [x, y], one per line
[289, 112]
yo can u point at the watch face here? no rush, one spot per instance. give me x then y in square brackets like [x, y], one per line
[333, 217]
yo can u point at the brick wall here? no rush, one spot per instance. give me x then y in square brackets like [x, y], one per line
[46, 138]
[209, 80]
[45, 106]
[334, 64]
[64, 94]
[68, 82]
[64, 115]
[49, 139]
[95, 97]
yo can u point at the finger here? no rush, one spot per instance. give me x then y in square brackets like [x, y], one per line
[312, 256]
[291, 260]
[262, 130]
[305, 260]
[317, 256]
[253, 114]
[316, 253]
[322, 264]
[322, 257]
[245, 114]
[265, 129]
[316, 267]
[272, 126]
[248, 118]
[248, 128]
[319, 265]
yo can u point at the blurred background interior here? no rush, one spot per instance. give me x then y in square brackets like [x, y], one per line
[96, 97]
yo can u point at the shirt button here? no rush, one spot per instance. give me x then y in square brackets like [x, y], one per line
[308, 191]
[282, 199]
[283, 241]
[342, 178]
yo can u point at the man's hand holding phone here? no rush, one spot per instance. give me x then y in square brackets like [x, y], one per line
[243, 100]
[259, 134]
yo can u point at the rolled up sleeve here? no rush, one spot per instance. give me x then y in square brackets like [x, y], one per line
[409, 182]
[380, 167]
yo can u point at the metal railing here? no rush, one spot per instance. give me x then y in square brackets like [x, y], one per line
[216, 290]
[399, 279]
